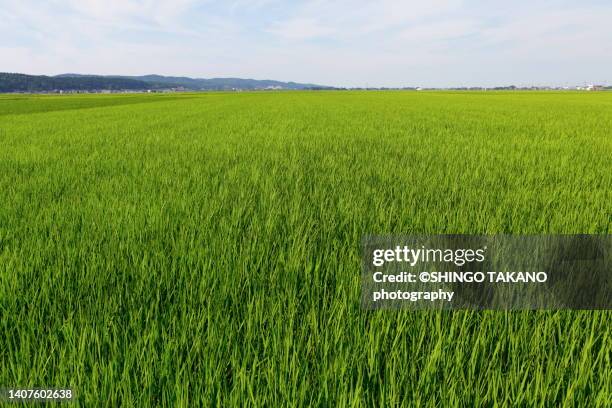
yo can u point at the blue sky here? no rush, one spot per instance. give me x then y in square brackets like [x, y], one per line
[343, 43]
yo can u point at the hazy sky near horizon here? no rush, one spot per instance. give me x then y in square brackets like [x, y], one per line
[341, 43]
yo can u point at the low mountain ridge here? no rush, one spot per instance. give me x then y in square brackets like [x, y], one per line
[13, 82]
[10, 82]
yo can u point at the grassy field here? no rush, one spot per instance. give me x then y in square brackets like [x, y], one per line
[204, 249]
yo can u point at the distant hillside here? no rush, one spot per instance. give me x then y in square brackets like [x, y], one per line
[10, 82]
[40, 83]
[210, 84]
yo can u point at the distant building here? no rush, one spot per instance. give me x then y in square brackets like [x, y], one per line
[595, 88]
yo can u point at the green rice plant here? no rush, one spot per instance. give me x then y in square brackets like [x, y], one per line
[203, 249]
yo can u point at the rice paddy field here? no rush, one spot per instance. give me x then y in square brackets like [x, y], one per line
[203, 249]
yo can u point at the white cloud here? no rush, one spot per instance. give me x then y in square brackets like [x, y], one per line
[301, 29]
[575, 33]
[344, 19]
[439, 31]
[159, 11]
